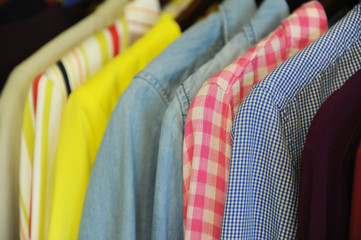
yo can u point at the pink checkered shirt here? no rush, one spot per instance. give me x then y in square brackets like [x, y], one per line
[207, 141]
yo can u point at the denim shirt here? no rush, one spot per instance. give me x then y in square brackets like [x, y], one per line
[120, 195]
[170, 153]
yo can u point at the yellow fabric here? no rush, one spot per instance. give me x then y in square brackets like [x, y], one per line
[84, 121]
[12, 101]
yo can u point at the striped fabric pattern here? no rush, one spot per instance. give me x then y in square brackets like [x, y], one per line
[46, 101]
[207, 142]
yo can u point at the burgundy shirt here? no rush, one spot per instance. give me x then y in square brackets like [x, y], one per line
[355, 221]
[327, 165]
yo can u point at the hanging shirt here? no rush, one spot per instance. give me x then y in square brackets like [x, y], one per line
[15, 92]
[207, 140]
[355, 219]
[127, 157]
[47, 98]
[270, 128]
[84, 121]
[169, 174]
[327, 165]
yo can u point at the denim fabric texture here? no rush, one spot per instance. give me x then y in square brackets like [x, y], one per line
[120, 196]
[169, 172]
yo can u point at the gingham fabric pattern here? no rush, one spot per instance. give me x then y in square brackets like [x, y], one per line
[47, 99]
[270, 128]
[207, 143]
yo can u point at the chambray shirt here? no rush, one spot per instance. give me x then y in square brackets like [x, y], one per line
[120, 195]
[169, 172]
[270, 128]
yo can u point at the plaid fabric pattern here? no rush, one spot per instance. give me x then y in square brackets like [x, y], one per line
[270, 128]
[207, 143]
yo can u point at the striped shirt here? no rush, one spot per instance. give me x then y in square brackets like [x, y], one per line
[46, 101]
[84, 121]
[207, 142]
[15, 92]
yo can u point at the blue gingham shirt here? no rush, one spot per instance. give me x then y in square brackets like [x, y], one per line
[270, 128]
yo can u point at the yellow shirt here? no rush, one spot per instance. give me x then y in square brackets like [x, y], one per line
[84, 121]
